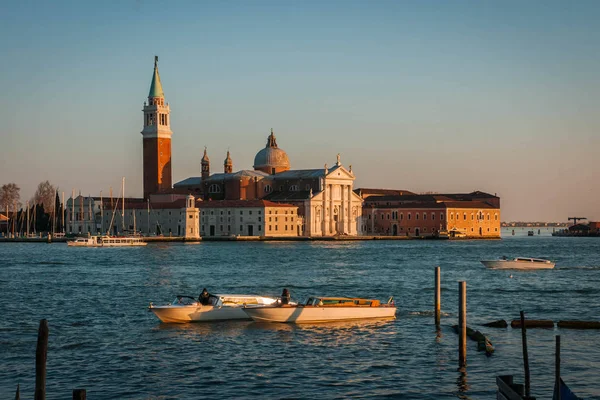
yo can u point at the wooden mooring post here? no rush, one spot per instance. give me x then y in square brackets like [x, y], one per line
[41, 354]
[557, 369]
[525, 356]
[79, 394]
[437, 296]
[462, 324]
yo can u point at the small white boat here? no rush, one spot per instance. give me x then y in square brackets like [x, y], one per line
[324, 309]
[222, 307]
[107, 241]
[519, 263]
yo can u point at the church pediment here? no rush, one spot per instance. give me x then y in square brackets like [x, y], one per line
[339, 172]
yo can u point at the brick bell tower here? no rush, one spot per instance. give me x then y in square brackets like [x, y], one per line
[157, 138]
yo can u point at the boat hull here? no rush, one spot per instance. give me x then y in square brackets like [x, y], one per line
[198, 313]
[521, 265]
[318, 314]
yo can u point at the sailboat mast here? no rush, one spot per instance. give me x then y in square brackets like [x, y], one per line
[90, 212]
[101, 213]
[62, 212]
[123, 213]
[54, 212]
[72, 210]
[28, 219]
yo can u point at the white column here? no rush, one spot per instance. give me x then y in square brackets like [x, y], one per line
[350, 221]
[324, 210]
[342, 222]
[331, 221]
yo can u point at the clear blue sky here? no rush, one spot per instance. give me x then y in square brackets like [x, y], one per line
[445, 96]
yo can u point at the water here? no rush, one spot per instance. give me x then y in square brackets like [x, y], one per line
[103, 339]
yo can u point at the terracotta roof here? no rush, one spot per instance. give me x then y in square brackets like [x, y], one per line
[240, 203]
[468, 204]
[414, 205]
[381, 192]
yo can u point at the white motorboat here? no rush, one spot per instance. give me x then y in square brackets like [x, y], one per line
[324, 309]
[519, 263]
[221, 307]
[107, 241]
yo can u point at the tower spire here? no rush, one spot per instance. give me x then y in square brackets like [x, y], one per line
[156, 89]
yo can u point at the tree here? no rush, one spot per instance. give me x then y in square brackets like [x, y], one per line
[45, 195]
[9, 196]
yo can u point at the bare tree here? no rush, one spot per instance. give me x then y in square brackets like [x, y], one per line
[10, 194]
[45, 195]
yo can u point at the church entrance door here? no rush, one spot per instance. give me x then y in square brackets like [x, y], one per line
[212, 230]
[250, 230]
[395, 230]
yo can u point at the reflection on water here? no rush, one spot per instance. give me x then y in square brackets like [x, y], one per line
[462, 383]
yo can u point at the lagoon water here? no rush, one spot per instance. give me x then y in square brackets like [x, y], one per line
[102, 337]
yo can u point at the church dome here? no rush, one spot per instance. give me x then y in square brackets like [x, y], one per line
[271, 159]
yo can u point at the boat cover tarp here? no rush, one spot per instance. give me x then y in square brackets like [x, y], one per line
[565, 392]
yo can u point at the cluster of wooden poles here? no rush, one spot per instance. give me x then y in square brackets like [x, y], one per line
[521, 323]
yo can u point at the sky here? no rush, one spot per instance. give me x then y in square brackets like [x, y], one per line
[426, 96]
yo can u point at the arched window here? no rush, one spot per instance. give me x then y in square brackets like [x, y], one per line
[214, 188]
[268, 188]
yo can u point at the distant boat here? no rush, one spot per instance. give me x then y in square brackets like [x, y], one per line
[523, 263]
[530, 233]
[107, 241]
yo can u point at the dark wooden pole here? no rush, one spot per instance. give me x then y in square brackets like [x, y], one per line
[557, 368]
[525, 356]
[437, 295]
[18, 394]
[79, 394]
[41, 354]
[462, 324]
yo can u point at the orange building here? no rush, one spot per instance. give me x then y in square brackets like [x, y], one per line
[474, 214]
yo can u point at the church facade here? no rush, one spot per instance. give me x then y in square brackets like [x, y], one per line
[327, 204]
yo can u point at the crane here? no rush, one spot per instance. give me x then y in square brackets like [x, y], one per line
[575, 219]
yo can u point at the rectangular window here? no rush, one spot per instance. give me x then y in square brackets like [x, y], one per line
[270, 228]
[416, 216]
[275, 219]
[250, 212]
[424, 216]
[241, 219]
[191, 216]
[276, 227]
[259, 219]
[228, 228]
[241, 213]
[432, 216]
[286, 227]
[241, 228]
[259, 228]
